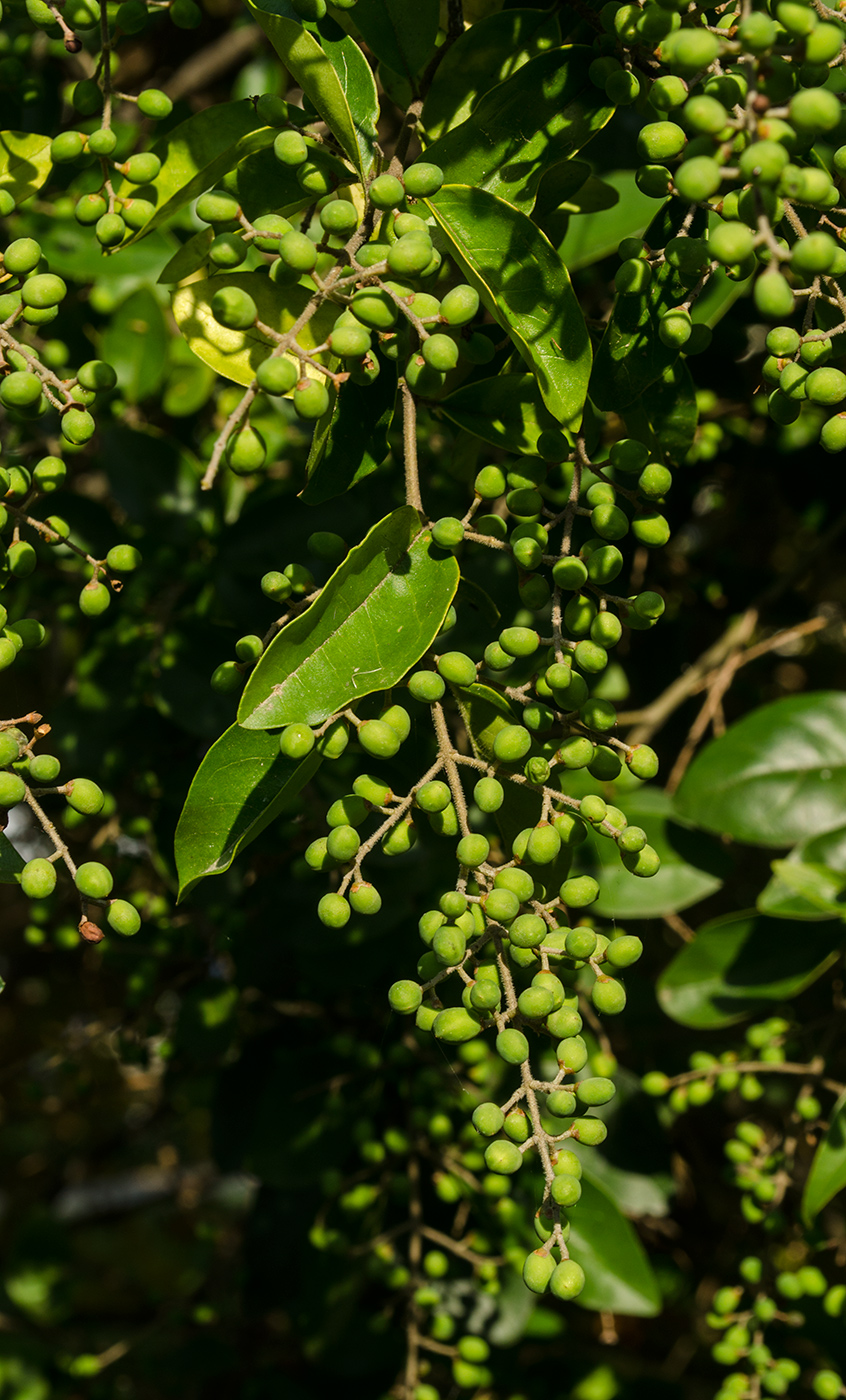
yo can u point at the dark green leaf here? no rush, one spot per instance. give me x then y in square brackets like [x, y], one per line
[241, 785]
[547, 111]
[399, 34]
[135, 344]
[525, 286]
[380, 610]
[487, 53]
[265, 186]
[776, 776]
[352, 440]
[619, 1275]
[828, 1170]
[679, 883]
[717, 297]
[481, 602]
[635, 1194]
[11, 864]
[196, 154]
[739, 963]
[359, 86]
[193, 255]
[665, 416]
[591, 237]
[507, 411]
[331, 94]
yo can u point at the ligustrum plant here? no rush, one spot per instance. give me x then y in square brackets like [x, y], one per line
[395, 367]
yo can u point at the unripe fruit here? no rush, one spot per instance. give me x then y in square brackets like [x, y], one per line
[234, 308]
[448, 532]
[386, 192]
[155, 104]
[123, 917]
[93, 880]
[110, 230]
[512, 1046]
[226, 678]
[472, 850]
[624, 951]
[422, 179]
[85, 796]
[20, 389]
[527, 931]
[567, 1280]
[565, 1190]
[512, 743]
[38, 879]
[457, 668]
[538, 1270]
[608, 996]
[77, 426]
[405, 997]
[460, 305]
[12, 789]
[44, 768]
[455, 1025]
[660, 141]
[333, 910]
[503, 1157]
[296, 741]
[94, 599]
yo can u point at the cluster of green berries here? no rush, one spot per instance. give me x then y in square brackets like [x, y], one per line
[743, 1313]
[24, 772]
[314, 10]
[131, 16]
[737, 115]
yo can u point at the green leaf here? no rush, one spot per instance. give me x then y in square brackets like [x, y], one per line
[265, 186]
[547, 111]
[484, 712]
[236, 354]
[487, 53]
[379, 612]
[799, 891]
[525, 286]
[188, 259]
[352, 440]
[828, 1170]
[717, 297]
[241, 785]
[506, 411]
[196, 154]
[619, 1275]
[11, 864]
[359, 86]
[25, 163]
[481, 602]
[135, 344]
[591, 237]
[808, 884]
[739, 963]
[330, 94]
[634, 1193]
[691, 866]
[776, 776]
[399, 34]
[665, 416]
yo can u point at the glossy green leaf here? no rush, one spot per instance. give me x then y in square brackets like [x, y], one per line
[808, 884]
[507, 411]
[379, 612]
[718, 297]
[135, 344]
[591, 237]
[188, 259]
[236, 354]
[634, 1193]
[739, 963]
[665, 415]
[619, 1275]
[487, 53]
[332, 93]
[547, 111]
[359, 86]
[827, 1176]
[399, 34]
[196, 154]
[265, 186]
[241, 785]
[481, 602]
[25, 163]
[11, 864]
[776, 776]
[351, 441]
[692, 866]
[525, 286]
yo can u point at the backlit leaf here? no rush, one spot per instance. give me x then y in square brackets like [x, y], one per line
[25, 163]
[507, 411]
[827, 1176]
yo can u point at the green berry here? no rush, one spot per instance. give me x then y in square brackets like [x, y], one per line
[567, 1280]
[405, 997]
[85, 796]
[386, 192]
[38, 879]
[503, 1157]
[333, 910]
[512, 743]
[457, 668]
[608, 996]
[123, 917]
[296, 741]
[93, 880]
[472, 850]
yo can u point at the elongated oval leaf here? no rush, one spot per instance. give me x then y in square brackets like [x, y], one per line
[525, 286]
[808, 884]
[198, 152]
[319, 78]
[359, 87]
[591, 237]
[506, 411]
[486, 54]
[236, 354]
[544, 113]
[690, 867]
[352, 440]
[375, 618]
[828, 1170]
[400, 34]
[25, 163]
[619, 1275]
[776, 776]
[665, 415]
[739, 963]
[241, 785]
[135, 343]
